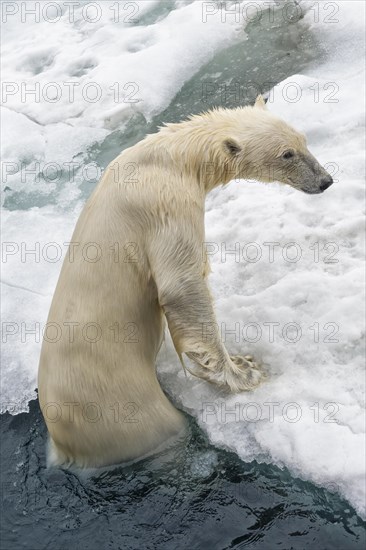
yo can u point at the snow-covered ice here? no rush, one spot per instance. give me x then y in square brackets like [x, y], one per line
[300, 312]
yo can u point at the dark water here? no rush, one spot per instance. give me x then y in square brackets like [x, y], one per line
[192, 496]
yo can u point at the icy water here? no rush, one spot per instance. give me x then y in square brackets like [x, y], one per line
[192, 495]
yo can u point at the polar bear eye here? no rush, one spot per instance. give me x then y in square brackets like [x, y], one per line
[288, 155]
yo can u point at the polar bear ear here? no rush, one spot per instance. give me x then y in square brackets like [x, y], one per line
[232, 147]
[260, 102]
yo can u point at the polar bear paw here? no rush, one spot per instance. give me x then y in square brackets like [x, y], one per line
[244, 374]
[239, 373]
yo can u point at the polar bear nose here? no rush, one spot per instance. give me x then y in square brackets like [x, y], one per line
[325, 183]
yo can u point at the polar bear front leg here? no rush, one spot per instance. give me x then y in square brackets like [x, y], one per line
[187, 304]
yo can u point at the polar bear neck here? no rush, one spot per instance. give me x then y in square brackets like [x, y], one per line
[194, 147]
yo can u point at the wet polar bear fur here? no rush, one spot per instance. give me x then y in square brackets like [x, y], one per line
[136, 262]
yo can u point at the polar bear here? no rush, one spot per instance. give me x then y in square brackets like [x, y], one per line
[135, 263]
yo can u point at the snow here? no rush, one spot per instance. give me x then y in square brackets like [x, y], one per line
[86, 60]
[298, 308]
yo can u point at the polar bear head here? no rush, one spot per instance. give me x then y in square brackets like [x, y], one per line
[261, 146]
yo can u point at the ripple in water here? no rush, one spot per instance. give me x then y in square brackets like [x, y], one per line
[189, 496]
